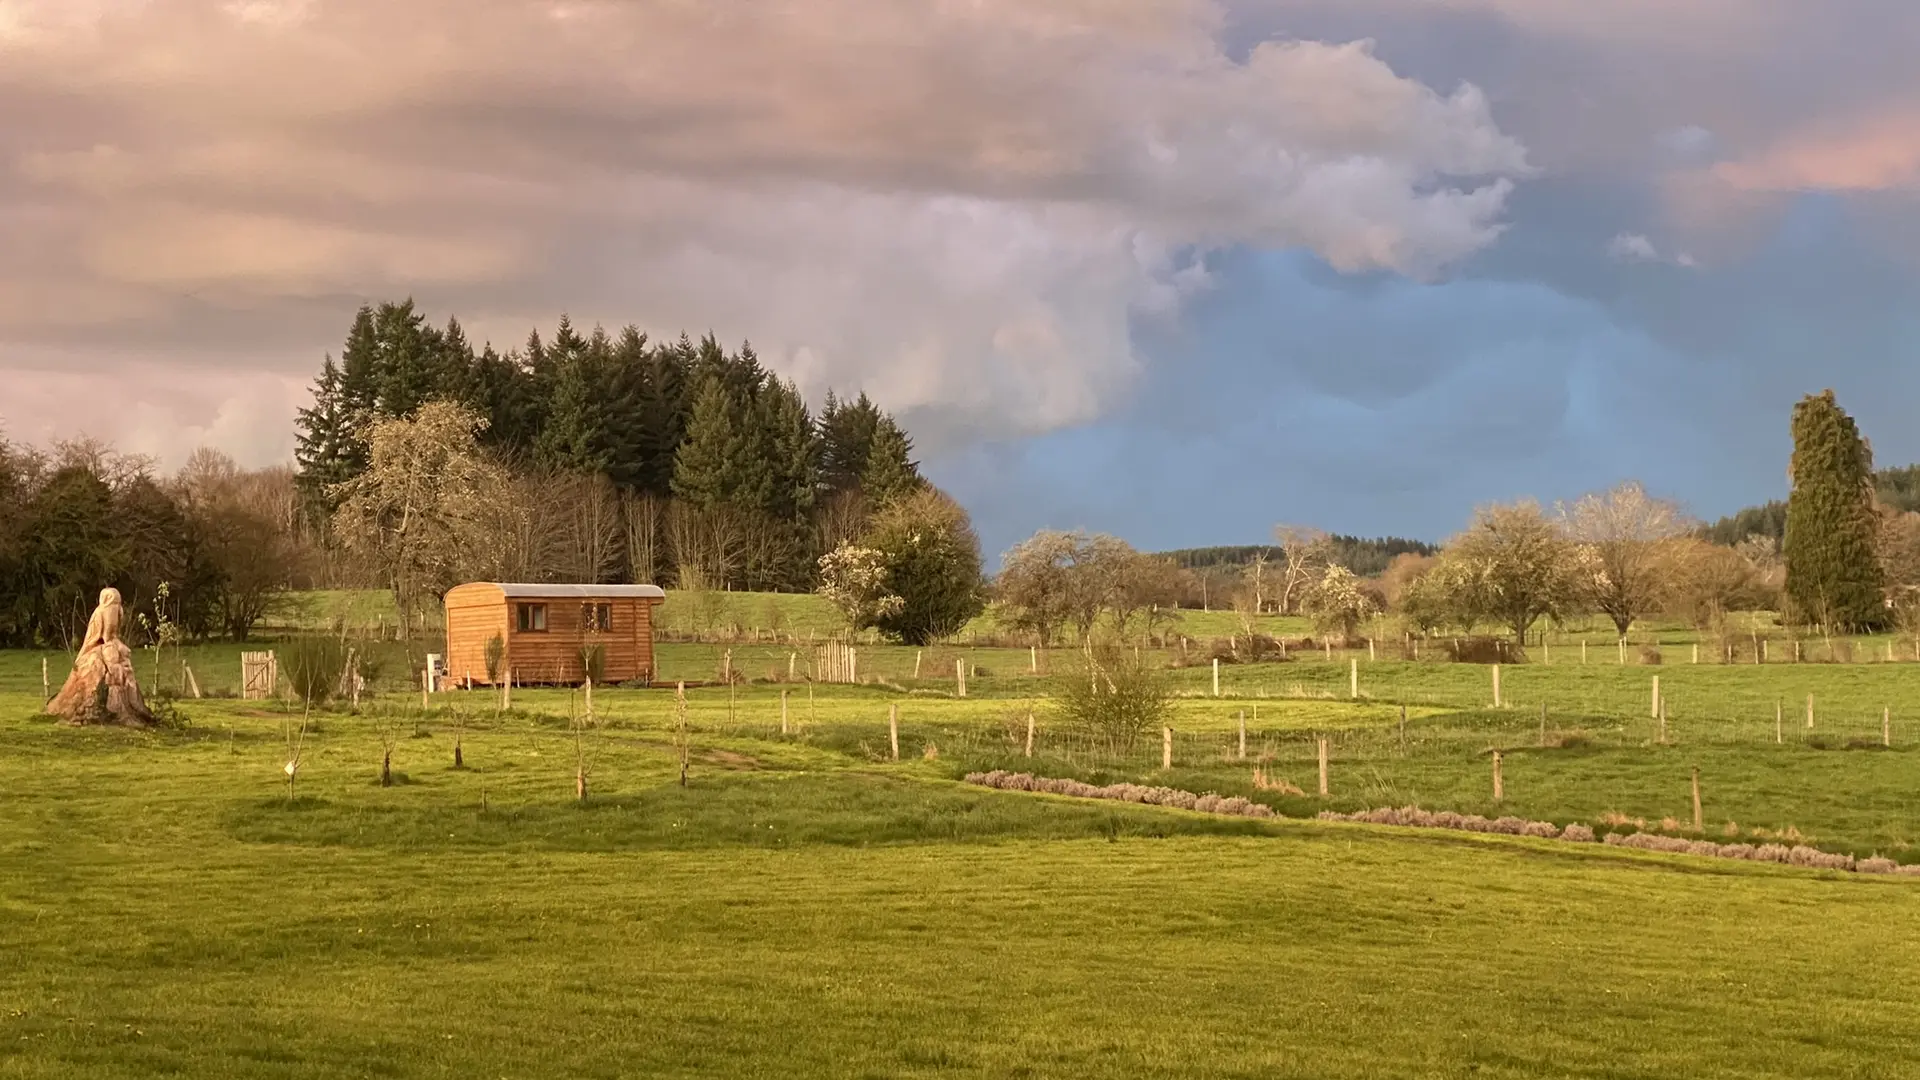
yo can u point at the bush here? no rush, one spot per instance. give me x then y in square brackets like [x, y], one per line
[1115, 698]
[313, 667]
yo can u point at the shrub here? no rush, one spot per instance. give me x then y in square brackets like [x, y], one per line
[496, 657]
[1116, 698]
[313, 666]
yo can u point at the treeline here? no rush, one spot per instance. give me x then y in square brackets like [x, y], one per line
[682, 462]
[1846, 558]
[204, 552]
[1897, 489]
[1363, 555]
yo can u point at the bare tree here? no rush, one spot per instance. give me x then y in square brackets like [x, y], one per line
[424, 502]
[582, 516]
[1304, 552]
[1035, 586]
[643, 520]
[1628, 540]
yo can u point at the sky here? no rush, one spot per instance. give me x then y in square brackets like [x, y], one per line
[1179, 270]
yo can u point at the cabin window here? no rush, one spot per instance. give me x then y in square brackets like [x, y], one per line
[533, 618]
[597, 618]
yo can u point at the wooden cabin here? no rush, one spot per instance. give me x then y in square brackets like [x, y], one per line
[544, 628]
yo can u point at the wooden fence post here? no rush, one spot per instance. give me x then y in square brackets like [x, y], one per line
[853, 666]
[1663, 723]
[1499, 790]
[1696, 652]
[1243, 734]
[1496, 686]
[1216, 676]
[1166, 748]
[1327, 644]
[1353, 678]
[1371, 655]
[194, 684]
[893, 729]
[1323, 768]
[1656, 697]
[1029, 734]
[1403, 725]
[1699, 820]
[506, 692]
[1543, 723]
[1809, 712]
[1546, 650]
[46, 683]
[1583, 650]
[916, 662]
[1779, 714]
[960, 677]
[1886, 726]
[1033, 659]
[793, 658]
[783, 711]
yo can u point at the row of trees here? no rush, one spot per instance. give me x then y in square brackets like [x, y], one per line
[205, 551]
[437, 506]
[713, 470]
[1847, 558]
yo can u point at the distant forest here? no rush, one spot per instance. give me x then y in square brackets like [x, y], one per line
[1365, 556]
[1897, 488]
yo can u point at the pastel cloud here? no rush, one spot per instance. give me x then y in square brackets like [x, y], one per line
[960, 206]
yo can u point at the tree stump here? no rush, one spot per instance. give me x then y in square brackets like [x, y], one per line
[102, 688]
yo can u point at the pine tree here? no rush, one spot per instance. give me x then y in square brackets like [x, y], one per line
[847, 429]
[329, 449]
[666, 410]
[703, 472]
[795, 451]
[574, 435]
[890, 472]
[1834, 577]
[628, 375]
[411, 366]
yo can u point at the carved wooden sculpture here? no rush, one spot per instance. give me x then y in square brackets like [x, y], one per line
[102, 688]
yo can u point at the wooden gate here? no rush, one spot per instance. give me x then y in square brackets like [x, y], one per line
[836, 663]
[259, 674]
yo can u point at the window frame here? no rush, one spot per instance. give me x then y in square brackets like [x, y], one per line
[530, 617]
[596, 617]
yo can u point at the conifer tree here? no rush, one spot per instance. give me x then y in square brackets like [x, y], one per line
[847, 429]
[794, 452]
[703, 472]
[890, 472]
[329, 448]
[628, 374]
[574, 435]
[1833, 575]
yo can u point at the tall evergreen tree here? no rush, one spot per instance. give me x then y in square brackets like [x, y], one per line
[794, 451]
[328, 446]
[847, 429]
[574, 435]
[411, 361]
[666, 409]
[1833, 574]
[891, 472]
[628, 375]
[708, 467]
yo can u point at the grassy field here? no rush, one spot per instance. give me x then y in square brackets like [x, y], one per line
[807, 905]
[806, 616]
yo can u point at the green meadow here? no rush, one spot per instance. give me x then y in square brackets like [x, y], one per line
[809, 904]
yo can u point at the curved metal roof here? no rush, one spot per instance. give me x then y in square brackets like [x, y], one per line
[581, 592]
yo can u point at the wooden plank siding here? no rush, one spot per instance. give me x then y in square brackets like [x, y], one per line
[476, 612]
